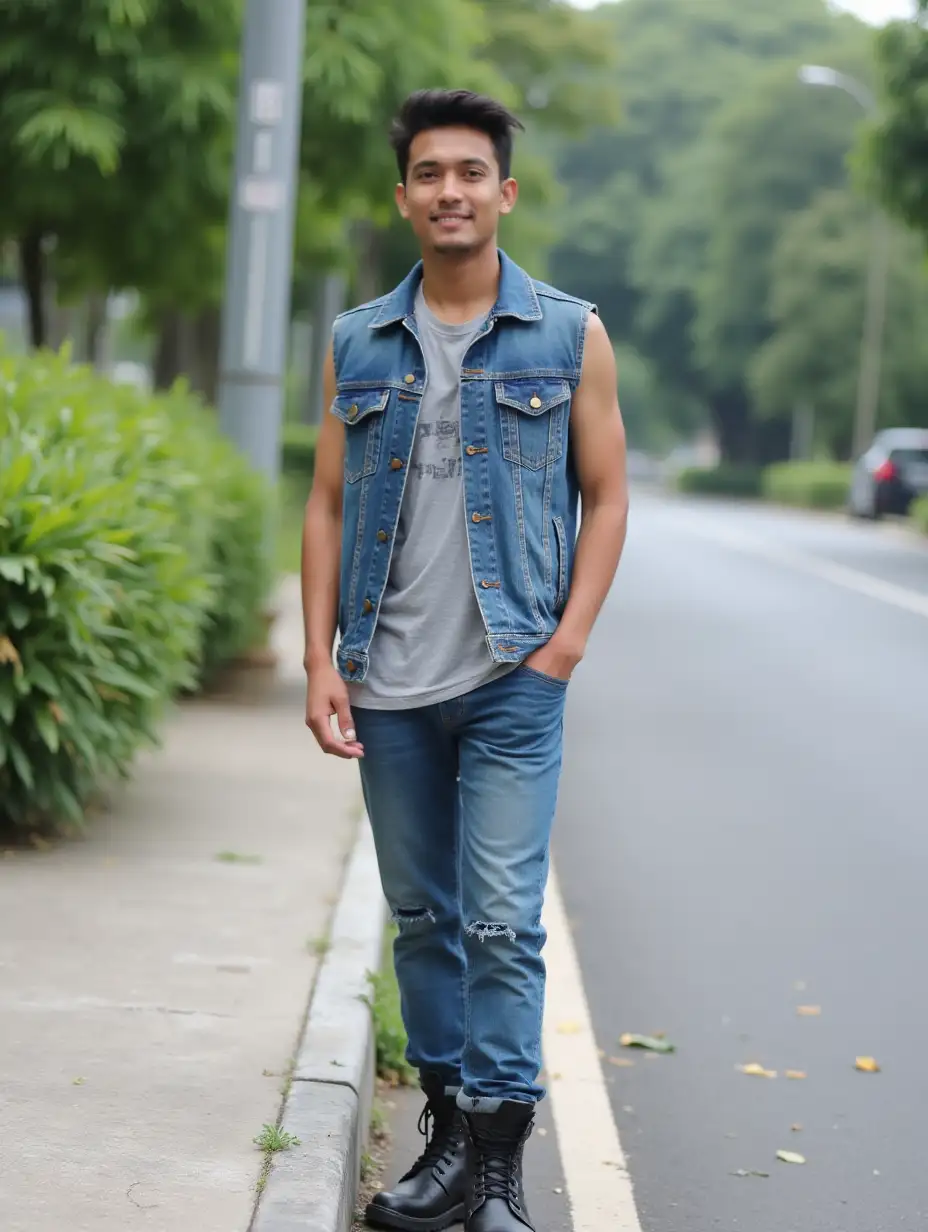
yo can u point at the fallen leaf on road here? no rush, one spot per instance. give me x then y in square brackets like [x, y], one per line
[568, 1028]
[795, 1073]
[790, 1157]
[867, 1065]
[79, 1082]
[621, 1062]
[797, 1128]
[753, 1070]
[750, 1172]
[653, 1043]
[808, 1011]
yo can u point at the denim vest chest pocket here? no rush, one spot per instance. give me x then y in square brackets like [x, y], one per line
[532, 414]
[362, 413]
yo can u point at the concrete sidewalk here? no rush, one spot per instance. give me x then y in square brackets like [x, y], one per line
[154, 977]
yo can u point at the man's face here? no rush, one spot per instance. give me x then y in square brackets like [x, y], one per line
[453, 196]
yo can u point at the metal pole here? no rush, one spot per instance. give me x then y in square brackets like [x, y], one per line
[871, 351]
[261, 219]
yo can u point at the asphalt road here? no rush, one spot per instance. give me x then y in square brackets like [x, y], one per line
[742, 830]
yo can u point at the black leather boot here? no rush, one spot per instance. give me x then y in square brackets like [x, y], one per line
[495, 1193]
[430, 1196]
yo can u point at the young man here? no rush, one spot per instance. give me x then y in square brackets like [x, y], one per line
[470, 408]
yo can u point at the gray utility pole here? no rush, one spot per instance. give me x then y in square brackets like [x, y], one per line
[256, 316]
[871, 349]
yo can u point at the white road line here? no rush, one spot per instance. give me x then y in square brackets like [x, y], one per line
[826, 570]
[598, 1184]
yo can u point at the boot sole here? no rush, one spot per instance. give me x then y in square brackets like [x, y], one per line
[378, 1217]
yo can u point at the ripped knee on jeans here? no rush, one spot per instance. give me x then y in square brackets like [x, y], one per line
[407, 919]
[483, 930]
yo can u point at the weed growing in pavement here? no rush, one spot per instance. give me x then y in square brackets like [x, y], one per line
[272, 1138]
[236, 857]
[319, 946]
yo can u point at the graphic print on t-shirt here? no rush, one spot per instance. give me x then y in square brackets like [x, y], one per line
[438, 450]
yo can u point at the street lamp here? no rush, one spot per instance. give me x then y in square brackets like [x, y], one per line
[871, 351]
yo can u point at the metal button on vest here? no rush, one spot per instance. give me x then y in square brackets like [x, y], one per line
[368, 606]
[410, 378]
[353, 412]
[396, 464]
[382, 536]
[535, 403]
[351, 665]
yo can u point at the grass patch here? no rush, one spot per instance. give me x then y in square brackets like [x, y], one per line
[389, 1033]
[319, 946]
[237, 857]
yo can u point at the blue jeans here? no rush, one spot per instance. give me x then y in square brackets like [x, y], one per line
[461, 797]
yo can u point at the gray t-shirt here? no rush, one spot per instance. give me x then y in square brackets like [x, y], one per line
[430, 642]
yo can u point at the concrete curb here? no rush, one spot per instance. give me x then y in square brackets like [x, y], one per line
[314, 1187]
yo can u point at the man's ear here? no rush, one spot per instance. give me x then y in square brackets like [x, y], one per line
[401, 200]
[509, 195]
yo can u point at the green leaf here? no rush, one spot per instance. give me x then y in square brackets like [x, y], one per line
[17, 475]
[39, 675]
[7, 699]
[13, 569]
[21, 765]
[120, 679]
[48, 729]
[18, 613]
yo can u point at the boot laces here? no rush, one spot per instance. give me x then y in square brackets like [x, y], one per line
[440, 1140]
[497, 1168]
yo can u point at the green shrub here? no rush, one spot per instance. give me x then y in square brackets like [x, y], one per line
[812, 485]
[130, 564]
[723, 480]
[919, 513]
[298, 449]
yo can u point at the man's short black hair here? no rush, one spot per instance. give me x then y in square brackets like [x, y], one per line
[454, 109]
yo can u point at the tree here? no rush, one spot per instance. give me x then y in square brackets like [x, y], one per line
[643, 228]
[896, 146]
[114, 135]
[817, 308]
[775, 153]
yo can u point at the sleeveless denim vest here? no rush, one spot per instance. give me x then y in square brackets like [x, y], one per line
[520, 488]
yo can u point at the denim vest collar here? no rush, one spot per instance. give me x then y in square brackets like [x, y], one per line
[516, 297]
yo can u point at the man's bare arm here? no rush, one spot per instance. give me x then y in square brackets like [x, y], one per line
[326, 693]
[598, 444]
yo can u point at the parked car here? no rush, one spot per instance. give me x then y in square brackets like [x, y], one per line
[891, 474]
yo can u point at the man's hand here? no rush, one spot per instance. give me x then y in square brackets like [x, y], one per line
[327, 694]
[556, 658]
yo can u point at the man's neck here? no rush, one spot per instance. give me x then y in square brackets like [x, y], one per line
[461, 287]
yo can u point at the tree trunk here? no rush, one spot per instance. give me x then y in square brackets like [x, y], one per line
[367, 282]
[94, 326]
[733, 426]
[205, 339]
[169, 359]
[32, 272]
